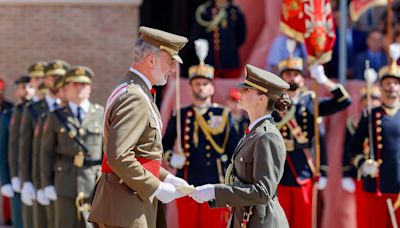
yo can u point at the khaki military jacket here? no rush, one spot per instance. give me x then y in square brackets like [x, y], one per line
[13, 140]
[58, 150]
[131, 128]
[258, 163]
[29, 120]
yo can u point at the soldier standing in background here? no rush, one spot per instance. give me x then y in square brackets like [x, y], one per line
[71, 151]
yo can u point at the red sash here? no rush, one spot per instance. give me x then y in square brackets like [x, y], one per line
[150, 165]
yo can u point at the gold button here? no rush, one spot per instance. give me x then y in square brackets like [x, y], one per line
[378, 114]
[378, 129]
[305, 134]
[304, 120]
[59, 168]
[121, 181]
[190, 113]
[187, 146]
[378, 122]
[379, 138]
[187, 163]
[72, 134]
[208, 147]
[82, 131]
[208, 163]
[188, 121]
[380, 146]
[187, 154]
[208, 155]
[62, 130]
[187, 129]
[241, 159]
[380, 161]
[187, 137]
[304, 113]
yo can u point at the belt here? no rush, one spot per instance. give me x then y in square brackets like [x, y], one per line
[71, 159]
[150, 165]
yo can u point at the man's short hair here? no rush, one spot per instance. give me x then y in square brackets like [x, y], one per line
[143, 48]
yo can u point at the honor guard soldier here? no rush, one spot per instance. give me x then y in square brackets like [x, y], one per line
[208, 137]
[36, 73]
[351, 181]
[241, 121]
[43, 208]
[4, 104]
[297, 128]
[222, 24]
[30, 130]
[133, 181]
[71, 151]
[23, 93]
[379, 164]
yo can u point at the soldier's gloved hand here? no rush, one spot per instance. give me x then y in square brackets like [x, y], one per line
[167, 192]
[28, 193]
[16, 184]
[204, 193]
[177, 161]
[175, 181]
[318, 73]
[41, 198]
[322, 182]
[7, 191]
[50, 192]
[369, 168]
[348, 184]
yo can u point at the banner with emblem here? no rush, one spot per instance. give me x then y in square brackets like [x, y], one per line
[358, 7]
[310, 22]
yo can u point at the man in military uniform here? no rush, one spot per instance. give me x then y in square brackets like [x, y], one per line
[4, 104]
[208, 138]
[30, 130]
[351, 181]
[51, 101]
[380, 162]
[221, 23]
[36, 73]
[24, 93]
[71, 151]
[297, 128]
[133, 180]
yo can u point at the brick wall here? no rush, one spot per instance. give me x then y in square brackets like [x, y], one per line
[98, 34]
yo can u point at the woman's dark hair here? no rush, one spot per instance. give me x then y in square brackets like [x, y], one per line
[283, 103]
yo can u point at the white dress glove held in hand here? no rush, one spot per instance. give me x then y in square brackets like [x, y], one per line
[167, 192]
[7, 191]
[175, 181]
[369, 169]
[50, 193]
[16, 184]
[177, 161]
[28, 194]
[348, 184]
[204, 193]
[323, 181]
[41, 198]
[318, 73]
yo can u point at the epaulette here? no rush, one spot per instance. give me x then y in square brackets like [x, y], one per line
[350, 126]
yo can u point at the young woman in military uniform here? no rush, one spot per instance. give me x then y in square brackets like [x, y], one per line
[258, 161]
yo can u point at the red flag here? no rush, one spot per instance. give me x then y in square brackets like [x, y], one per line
[358, 7]
[310, 22]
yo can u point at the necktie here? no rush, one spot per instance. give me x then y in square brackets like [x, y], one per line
[79, 114]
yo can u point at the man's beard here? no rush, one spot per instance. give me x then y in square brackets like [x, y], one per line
[392, 94]
[162, 82]
[199, 96]
[293, 86]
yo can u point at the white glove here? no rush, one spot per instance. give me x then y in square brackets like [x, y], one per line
[318, 73]
[16, 184]
[50, 193]
[348, 184]
[177, 161]
[7, 191]
[167, 192]
[41, 198]
[323, 181]
[369, 168]
[175, 181]
[28, 193]
[204, 193]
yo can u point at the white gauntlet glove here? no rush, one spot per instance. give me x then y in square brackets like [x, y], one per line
[41, 198]
[28, 194]
[318, 73]
[348, 184]
[167, 192]
[16, 184]
[204, 193]
[50, 193]
[7, 191]
[322, 182]
[175, 181]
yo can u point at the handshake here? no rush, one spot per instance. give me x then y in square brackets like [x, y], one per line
[174, 187]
